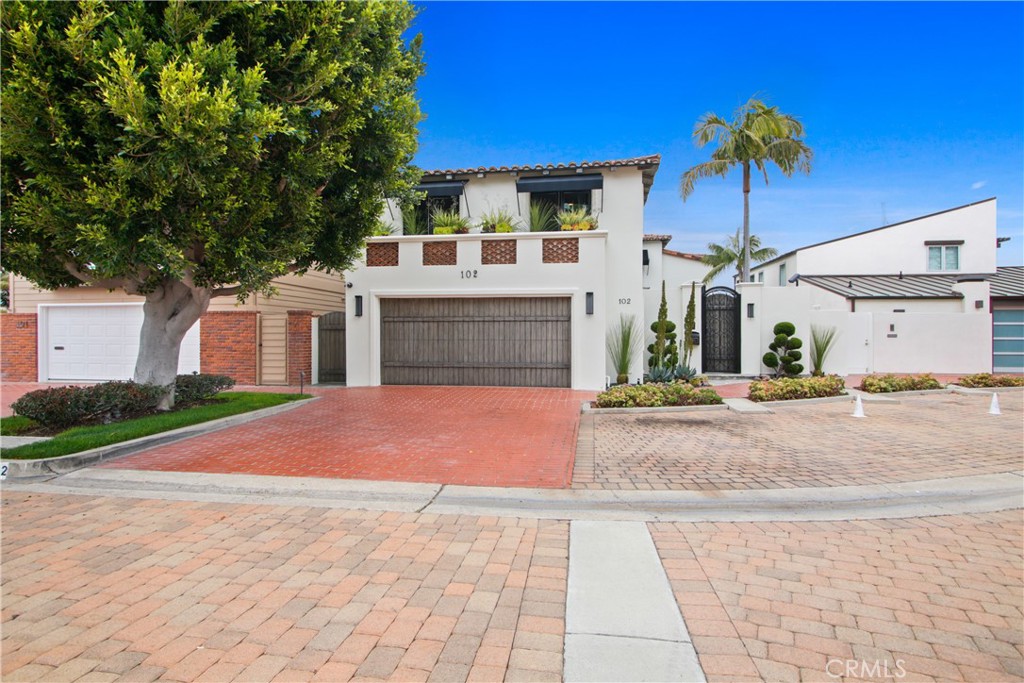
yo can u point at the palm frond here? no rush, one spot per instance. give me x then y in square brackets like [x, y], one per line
[708, 169]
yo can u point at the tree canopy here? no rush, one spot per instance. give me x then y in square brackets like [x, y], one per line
[185, 150]
[730, 254]
[223, 143]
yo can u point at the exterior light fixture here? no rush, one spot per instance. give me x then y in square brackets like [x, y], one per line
[359, 306]
[647, 263]
[979, 303]
[590, 303]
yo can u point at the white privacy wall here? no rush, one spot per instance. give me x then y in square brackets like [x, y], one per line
[954, 337]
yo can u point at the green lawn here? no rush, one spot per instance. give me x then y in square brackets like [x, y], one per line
[84, 438]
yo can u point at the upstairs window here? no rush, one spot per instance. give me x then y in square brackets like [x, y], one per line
[782, 275]
[944, 257]
[568, 200]
[425, 210]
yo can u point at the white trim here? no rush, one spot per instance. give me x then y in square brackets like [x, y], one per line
[314, 331]
[576, 308]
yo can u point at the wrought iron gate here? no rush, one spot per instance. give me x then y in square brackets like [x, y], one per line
[720, 329]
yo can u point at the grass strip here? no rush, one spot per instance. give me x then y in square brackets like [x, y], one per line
[79, 439]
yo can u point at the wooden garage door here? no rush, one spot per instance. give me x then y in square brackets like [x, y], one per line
[482, 342]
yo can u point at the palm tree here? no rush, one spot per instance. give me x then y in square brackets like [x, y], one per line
[721, 256]
[758, 134]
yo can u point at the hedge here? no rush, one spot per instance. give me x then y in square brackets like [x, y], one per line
[883, 384]
[791, 388]
[656, 396]
[985, 379]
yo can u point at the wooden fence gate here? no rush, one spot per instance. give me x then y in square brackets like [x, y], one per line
[332, 347]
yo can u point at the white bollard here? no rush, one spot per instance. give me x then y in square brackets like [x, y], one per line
[993, 408]
[858, 410]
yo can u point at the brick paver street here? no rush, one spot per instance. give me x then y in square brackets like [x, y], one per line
[938, 598]
[482, 436]
[103, 589]
[922, 437]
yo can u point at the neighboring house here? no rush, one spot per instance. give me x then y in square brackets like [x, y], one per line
[517, 309]
[913, 296]
[90, 333]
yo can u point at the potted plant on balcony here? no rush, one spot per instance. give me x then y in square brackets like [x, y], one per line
[449, 223]
[498, 221]
[576, 219]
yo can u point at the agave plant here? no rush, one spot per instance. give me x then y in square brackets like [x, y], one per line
[624, 344]
[542, 217]
[684, 372]
[501, 220]
[660, 374]
[449, 223]
[381, 229]
[576, 219]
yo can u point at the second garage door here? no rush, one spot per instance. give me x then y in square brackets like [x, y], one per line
[481, 342]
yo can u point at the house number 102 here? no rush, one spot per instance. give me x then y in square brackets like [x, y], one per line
[468, 274]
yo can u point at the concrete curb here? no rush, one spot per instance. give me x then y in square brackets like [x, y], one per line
[955, 495]
[982, 391]
[641, 411]
[48, 467]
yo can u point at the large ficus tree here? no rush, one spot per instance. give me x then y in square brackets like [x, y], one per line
[188, 150]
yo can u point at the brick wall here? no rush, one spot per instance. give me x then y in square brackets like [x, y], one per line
[227, 345]
[18, 359]
[300, 345]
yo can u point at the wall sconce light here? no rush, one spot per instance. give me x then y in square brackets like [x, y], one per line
[359, 306]
[695, 338]
[647, 263]
[979, 303]
[750, 310]
[590, 303]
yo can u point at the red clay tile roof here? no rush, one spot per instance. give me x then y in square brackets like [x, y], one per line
[665, 239]
[680, 254]
[649, 160]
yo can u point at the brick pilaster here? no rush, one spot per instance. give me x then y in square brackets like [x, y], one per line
[18, 347]
[227, 344]
[300, 345]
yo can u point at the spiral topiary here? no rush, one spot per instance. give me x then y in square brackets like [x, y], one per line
[783, 355]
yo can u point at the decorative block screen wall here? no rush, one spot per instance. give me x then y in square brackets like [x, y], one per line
[440, 253]
[384, 254]
[562, 251]
[496, 252]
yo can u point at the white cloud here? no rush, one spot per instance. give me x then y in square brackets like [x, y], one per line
[978, 185]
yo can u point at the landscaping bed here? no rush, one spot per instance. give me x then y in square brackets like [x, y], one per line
[795, 388]
[83, 438]
[888, 383]
[656, 395]
[985, 380]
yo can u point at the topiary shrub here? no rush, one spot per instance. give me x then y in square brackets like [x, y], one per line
[883, 384]
[986, 379]
[783, 355]
[664, 351]
[656, 396]
[196, 387]
[791, 388]
[108, 402]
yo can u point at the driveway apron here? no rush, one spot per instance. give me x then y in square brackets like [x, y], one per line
[475, 436]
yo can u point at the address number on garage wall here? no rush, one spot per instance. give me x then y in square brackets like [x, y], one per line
[468, 274]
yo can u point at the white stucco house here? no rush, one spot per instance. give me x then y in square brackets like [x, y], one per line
[516, 308]
[922, 295]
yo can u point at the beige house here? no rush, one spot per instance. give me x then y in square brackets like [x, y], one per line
[90, 334]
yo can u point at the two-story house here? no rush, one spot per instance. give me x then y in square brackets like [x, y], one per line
[515, 308]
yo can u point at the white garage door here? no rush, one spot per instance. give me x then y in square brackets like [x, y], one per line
[92, 343]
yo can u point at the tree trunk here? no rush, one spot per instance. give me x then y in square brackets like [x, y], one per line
[746, 222]
[170, 312]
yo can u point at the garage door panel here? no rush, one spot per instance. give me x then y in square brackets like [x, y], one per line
[483, 342]
[96, 343]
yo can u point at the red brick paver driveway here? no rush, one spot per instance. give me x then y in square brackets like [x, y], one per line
[476, 436]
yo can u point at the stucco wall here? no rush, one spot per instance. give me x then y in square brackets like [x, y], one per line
[901, 247]
[529, 276]
[950, 336]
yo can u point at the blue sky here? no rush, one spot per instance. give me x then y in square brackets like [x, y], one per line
[910, 108]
